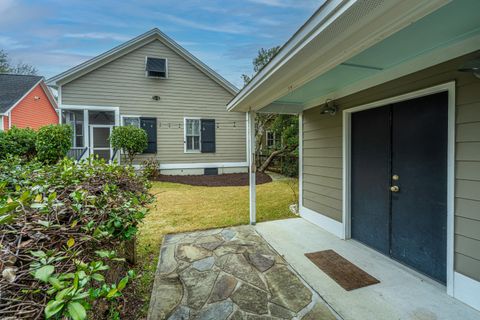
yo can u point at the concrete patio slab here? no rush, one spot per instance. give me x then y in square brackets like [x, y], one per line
[401, 293]
[229, 273]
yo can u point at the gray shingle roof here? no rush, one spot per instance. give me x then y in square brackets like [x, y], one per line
[13, 87]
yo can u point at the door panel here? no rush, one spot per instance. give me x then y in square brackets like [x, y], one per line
[419, 209]
[99, 142]
[100, 137]
[370, 176]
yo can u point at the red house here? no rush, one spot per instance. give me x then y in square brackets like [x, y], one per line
[26, 101]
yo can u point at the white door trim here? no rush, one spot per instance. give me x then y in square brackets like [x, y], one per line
[92, 126]
[448, 87]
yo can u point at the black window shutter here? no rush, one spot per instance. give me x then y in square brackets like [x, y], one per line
[150, 127]
[208, 135]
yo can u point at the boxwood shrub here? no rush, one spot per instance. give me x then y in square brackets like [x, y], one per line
[53, 142]
[18, 142]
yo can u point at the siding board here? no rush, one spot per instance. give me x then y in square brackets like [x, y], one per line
[467, 208]
[186, 93]
[321, 142]
[467, 266]
[468, 227]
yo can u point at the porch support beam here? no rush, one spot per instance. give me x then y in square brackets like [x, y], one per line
[86, 131]
[251, 166]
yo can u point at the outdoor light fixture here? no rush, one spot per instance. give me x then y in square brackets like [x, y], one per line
[472, 66]
[329, 108]
[156, 98]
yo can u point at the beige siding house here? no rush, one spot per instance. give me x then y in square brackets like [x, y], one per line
[389, 98]
[154, 83]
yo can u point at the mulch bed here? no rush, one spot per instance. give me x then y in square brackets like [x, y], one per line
[221, 180]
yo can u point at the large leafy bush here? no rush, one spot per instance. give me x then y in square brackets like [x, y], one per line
[18, 142]
[62, 227]
[130, 139]
[53, 142]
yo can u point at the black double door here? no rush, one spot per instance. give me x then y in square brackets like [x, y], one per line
[399, 181]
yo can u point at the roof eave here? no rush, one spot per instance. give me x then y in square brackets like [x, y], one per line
[251, 97]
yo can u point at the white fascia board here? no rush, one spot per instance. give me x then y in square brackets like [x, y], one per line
[286, 51]
[359, 35]
[82, 107]
[49, 95]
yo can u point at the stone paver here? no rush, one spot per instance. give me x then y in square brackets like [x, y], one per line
[287, 289]
[260, 261]
[198, 286]
[189, 253]
[223, 287]
[251, 299]
[218, 311]
[239, 267]
[228, 274]
[204, 264]
[181, 313]
[166, 295]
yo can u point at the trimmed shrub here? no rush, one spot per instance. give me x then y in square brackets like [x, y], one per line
[130, 139]
[18, 142]
[53, 142]
[151, 169]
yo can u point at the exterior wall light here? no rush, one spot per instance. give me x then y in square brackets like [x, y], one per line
[156, 98]
[329, 108]
[472, 66]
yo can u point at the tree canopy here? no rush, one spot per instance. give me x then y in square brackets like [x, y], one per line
[6, 66]
[285, 126]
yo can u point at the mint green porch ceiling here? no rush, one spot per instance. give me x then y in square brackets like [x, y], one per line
[452, 23]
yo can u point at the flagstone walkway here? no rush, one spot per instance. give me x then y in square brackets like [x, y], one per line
[229, 273]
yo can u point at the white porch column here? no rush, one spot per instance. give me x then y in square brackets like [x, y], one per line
[86, 131]
[251, 166]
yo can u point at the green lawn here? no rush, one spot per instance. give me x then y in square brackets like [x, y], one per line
[181, 208]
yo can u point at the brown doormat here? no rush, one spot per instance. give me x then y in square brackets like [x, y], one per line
[345, 273]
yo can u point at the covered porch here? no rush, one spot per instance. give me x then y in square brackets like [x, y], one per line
[401, 293]
[91, 127]
[354, 56]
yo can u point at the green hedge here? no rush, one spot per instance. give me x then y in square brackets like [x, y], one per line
[18, 142]
[49, 144]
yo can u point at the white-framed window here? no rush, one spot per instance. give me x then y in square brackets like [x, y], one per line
[192, 134]
[129, 120]
[273, 140]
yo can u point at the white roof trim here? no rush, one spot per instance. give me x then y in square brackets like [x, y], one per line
[44, 88]
[129, 46]
[346, 44]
